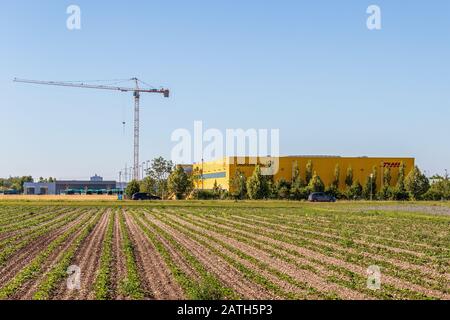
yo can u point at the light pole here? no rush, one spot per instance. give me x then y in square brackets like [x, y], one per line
[148, 167]
[371, 186]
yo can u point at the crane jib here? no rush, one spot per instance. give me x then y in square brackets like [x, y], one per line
[136, 90]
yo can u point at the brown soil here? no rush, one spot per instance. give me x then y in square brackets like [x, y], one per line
[227, 274]
[29, 288]
[357, 269]
[159, 282]
[25, 255]
[405, 265]
[119, 270]
[88, 259]
[299, 274]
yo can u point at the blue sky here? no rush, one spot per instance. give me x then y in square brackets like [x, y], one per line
[310, 68]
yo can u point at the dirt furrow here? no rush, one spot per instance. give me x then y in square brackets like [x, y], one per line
[215, 264]
[355, 268]
[156, 275]
[25, 255]
[176, 256]
[119, 266]
[327, 235]
[4, 235]
[25, 232]
[299, 274]
[405, 265]
[327, 225]
[87, 259]
[29, 288]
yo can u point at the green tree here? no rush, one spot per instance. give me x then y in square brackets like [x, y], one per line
[132, 188]
[399, 192]
[298, 187]
[257, 185]
[439, 189]
[386, 192]
[416, 184]
[16, 183]
[370, 188]
[239, 185]
[355, 191]
[281, 189]
[159, 170]
[336, 177]
[148, 185]
[179, 183]
[309, 171]
[387, 177]
[217, 190]
[349, 177]
[316, 184]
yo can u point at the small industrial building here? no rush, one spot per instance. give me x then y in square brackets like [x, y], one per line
[223, 171]
[95, 185]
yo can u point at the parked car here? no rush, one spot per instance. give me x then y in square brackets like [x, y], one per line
[144, 196]
[321, 197]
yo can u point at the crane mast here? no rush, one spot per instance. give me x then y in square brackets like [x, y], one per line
[136, 93]
[136, 132]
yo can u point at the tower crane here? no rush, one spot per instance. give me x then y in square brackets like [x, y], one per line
[137, 90]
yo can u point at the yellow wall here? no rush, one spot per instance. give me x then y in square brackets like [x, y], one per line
[324, 166]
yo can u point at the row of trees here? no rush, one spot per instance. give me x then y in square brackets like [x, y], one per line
[14, 183]
[164, 180]
[414, 186]
[167, 181]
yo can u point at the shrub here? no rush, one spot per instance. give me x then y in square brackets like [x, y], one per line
[239, 186]
[334, 192]
[355, 191]
[257, 185]
[386, 193]
[179, 182]
[309, 172]
[280, 189]
[205, 195]
[132, 188]
[316, 184]
[349, 177]
[417, 184]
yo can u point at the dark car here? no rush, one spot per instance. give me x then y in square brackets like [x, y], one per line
[144, 196]
[321, 197]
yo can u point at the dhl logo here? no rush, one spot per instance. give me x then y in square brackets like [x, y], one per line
[392, 164]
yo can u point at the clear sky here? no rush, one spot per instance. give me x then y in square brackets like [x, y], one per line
[309, 68]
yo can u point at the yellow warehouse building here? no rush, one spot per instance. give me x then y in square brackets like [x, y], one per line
[223, 171]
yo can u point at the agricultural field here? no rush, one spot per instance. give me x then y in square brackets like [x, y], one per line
[222, 250]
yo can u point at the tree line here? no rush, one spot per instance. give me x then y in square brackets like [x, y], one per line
[413, 186]
[168, 181]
